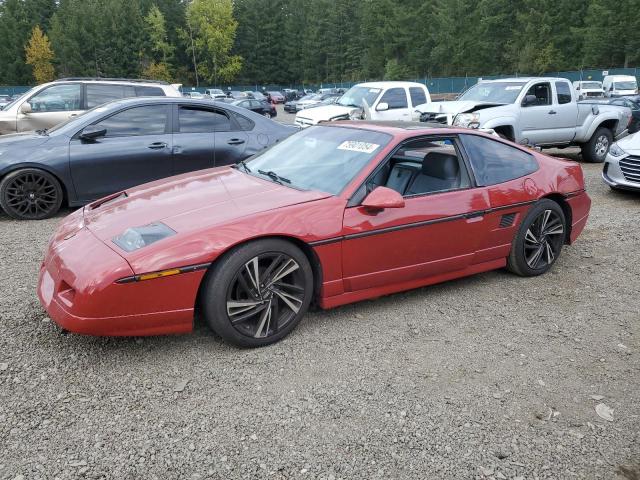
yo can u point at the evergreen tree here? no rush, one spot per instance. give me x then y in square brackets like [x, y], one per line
[39, 56]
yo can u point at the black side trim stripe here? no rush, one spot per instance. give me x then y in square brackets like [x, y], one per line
[574, 194]
[476, 213]
[185, 269]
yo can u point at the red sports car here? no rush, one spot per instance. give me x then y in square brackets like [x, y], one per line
[337, 213]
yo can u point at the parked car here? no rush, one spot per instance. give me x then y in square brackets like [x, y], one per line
[619, 85]
[291, 105]
[384, 101]
[588, 89]
[4, 100]
[122, 144]
[621, 170]
[260, 107]
[236, 94]
[539, 111]
[195, 94]
[316, 100]
[250, 247]
[633, 104]
[215, 93]
[52, 103]
[256, 95]
[277, 97]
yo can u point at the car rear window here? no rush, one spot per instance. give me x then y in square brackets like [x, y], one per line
[149, 92]
[418, 96]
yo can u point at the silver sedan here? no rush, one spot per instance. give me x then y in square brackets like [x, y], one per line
[622, 164]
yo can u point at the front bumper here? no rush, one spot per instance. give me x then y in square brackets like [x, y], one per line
[622, 172]
[77, 287]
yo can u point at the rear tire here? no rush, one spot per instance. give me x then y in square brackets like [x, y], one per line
[30, 194]
[539, 240]
[596, 149]
[257, 294]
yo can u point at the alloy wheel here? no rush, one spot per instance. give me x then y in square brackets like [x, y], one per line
[267, 114]
[543, 240]
[265, 295]
[602, 146]
[31, 195]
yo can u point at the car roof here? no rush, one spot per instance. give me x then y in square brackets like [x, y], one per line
[389, 84]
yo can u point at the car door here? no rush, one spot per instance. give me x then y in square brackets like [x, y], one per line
[397, 105]
[536, 117]
[562, 117]
[135, 149]
[230, 141]
[50, 106]
[193, 138]
[436, 232]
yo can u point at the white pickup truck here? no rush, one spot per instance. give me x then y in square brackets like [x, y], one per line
[373, 101]
[537, 111]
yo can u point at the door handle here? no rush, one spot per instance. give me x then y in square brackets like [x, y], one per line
[235, 141]
[157, 145]
[552, 112]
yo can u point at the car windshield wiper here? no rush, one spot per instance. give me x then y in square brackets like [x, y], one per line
[42, 131]
[274, 176]
[242, 164]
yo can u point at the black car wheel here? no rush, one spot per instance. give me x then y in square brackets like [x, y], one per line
[30, 194]
[596, 149]
[538, 243]
[257, 294]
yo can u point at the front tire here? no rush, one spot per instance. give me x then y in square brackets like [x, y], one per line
[30, 194]
[539, 240]
[596, 149]
[267, 114]
[257, 294]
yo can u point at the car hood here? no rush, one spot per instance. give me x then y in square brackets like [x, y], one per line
[22, 139]
[328, 112]
[191, 201]
[630, 144]
[455, 107]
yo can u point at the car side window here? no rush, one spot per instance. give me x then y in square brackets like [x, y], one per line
[542, 92]
[420, 167]
[418, 96]
[97, 94]
[494, 162]
[244, 123]
[395, 98]
[196, 120]
[137, 121]
[57, 98]
[564, 92]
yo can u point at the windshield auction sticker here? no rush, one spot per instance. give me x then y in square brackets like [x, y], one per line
[362, 147]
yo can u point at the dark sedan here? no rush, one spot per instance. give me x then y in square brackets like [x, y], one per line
[262, 108]
[632, 103]
[121, 144]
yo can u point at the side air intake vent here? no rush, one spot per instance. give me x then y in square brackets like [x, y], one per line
[507, 220]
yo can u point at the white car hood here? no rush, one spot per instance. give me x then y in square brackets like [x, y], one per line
[630, 144]
[326, 112]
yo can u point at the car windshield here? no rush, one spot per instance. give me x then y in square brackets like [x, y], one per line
[354, 96]
[320, 158]
[493, 92]
[630, 85]
[11, 104]
[590, 85]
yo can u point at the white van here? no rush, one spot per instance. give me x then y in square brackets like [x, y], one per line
[619, 85]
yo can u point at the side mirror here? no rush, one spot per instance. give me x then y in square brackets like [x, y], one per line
[91, 132]
[25, 108]
[382, 106]
[529, 100]
[381, 198]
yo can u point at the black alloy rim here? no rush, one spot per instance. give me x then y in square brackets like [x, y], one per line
[265, 295]
[31, 195]
[543, 240]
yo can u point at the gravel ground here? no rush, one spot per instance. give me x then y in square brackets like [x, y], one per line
[492, 376]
